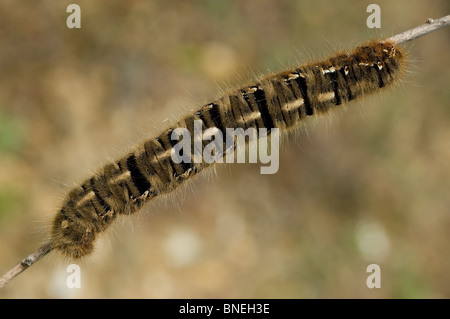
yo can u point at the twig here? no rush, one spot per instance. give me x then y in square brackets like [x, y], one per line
[25, 263]
[430, 26]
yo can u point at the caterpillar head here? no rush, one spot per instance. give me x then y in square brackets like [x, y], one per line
[74, 239]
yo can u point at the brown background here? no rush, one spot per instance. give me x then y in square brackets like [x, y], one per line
[368, 184]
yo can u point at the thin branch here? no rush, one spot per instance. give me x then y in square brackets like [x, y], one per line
[24, 264]
[430, 26]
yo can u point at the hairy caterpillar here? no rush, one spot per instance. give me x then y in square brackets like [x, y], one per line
[278, 101]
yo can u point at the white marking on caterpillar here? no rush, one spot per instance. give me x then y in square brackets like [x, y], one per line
[120, 177]
[323, 97]
[294, 105]
[86, 198]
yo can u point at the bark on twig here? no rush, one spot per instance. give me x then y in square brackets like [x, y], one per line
[24, 264]
[430, 26]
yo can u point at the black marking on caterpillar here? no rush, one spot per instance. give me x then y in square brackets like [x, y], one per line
[278, 101]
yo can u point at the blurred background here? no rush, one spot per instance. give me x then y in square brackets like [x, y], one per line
[368, 184]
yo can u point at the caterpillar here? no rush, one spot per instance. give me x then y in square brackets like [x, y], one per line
[278, 101]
